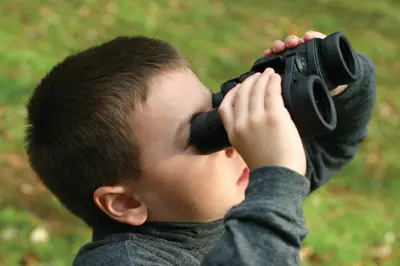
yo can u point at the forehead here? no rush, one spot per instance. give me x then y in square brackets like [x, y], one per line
[178, 90]
[172, 96]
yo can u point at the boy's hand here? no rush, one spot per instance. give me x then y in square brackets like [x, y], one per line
[259, 126]
[292, 41]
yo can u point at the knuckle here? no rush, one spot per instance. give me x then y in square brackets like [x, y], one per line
[248, 80]
[277, 77]
[239, 129]
[273, 84]
[256, 119]
[270, 93]
[274, 119]
[274, 102]
[270, 103]
[289, 37]
[260, 82]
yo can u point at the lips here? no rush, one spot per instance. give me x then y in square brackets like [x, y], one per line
[244, 178]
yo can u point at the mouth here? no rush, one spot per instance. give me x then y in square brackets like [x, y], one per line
[244, 178]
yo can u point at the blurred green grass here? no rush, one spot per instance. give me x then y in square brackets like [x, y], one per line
[354, 220]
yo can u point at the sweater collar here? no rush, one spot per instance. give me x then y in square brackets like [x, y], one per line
[190, 235]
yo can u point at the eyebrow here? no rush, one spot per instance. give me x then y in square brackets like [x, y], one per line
[182, 125]
[185, 123]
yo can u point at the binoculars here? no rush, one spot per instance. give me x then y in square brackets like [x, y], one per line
[309, 72]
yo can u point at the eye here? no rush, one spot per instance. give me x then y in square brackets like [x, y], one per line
[188, 143]
[189, 138]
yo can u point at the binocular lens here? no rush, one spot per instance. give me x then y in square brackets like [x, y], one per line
[339, 59]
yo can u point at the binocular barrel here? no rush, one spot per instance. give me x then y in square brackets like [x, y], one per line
[309, 72]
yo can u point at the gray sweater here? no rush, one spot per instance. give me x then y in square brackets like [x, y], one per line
[267, 228]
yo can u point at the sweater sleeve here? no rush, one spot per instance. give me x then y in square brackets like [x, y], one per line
[327, 154]
[267, 228]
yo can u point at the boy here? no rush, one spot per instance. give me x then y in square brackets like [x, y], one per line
[108, 135]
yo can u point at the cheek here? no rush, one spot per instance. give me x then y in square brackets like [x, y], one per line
[190, 169]
[180, 181]
[197, 179]
[200, 177]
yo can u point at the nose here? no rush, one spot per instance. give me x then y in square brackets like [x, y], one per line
[230, 152]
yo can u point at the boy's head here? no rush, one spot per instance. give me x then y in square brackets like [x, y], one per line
[107, 134]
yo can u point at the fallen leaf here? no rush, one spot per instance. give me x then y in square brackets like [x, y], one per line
[45, 10]
[85, 11]
[27, 189]
[305, 253]
[386, 111]
[30, 260]
[390, 238]
[381, 252]
[39, 235]
[8, 233]
[13, 159]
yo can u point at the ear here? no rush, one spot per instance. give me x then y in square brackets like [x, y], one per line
[121, 204]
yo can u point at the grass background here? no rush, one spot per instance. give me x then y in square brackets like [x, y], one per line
[354, 220]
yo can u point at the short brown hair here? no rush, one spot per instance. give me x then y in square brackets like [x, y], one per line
[78, 136]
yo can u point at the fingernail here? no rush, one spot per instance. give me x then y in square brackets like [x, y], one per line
[274, 75]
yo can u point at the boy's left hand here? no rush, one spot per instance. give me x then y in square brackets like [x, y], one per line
[292, 41]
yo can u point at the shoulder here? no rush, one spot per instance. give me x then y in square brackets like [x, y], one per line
[103, 252]
[122, 249]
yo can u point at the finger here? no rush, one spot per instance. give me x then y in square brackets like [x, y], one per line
[292, 41]
[274, 84]
[278, 46]
[225, 109]
[273, 97]
[241, 102]
[313, 34]
[257, 93]
[267, 52]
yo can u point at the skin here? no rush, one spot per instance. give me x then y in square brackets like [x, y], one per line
[178, 183]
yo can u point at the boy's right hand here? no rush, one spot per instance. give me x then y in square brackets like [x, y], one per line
[259, 126]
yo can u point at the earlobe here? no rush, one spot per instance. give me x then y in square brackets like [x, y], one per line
[120, 204]
[136, 216]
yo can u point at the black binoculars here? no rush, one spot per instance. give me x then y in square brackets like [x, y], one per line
[309, 72]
